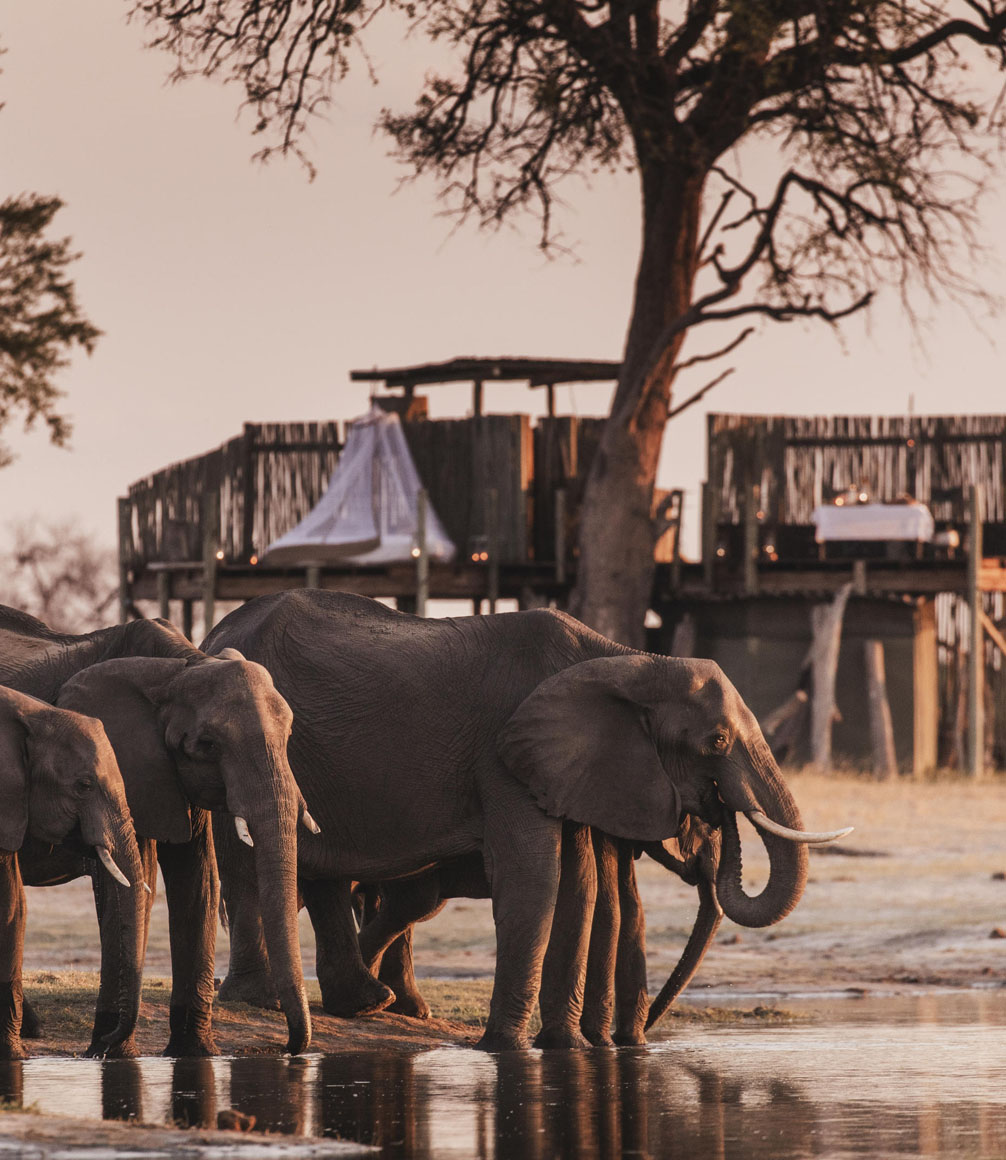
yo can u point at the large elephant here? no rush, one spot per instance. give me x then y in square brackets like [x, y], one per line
[192, 734]
[418, 741]
[59, 780]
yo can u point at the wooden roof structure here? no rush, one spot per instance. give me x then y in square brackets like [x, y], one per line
[536, 372]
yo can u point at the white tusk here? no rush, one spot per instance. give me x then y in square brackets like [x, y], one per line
[805, 836]
[109, 863]
[147, 888]
[309, 822]
[242, 828]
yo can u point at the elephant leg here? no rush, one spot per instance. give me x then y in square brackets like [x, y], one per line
[631, 999]
[386, 939]
[13, 912]
[522, 857]
[106, 902]
[192, 892]
[397, 973]
[599, 990]
[248, 977]
[565, 967]
[347, 987]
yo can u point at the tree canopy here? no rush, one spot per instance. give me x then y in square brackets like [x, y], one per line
[792, 157]
[40, 318]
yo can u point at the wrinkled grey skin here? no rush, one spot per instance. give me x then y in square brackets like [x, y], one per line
[192, 734]
[416, 742]
[59, 780]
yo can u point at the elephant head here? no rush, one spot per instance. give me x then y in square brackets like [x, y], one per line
[212, 732]
[59, 779]
[630, 743]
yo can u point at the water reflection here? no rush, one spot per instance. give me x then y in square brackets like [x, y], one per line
[928, 1083]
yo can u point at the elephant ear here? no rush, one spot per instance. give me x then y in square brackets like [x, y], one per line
[582, 744]
[13, 779]
[120, 693]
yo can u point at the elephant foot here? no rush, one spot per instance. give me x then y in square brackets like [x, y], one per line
[31, 1024]
[597, 1036]
[254, 988]
[191, 1032]
[362, 995]
[633, 1037]
[191, 1047]
[562, 1037]
[411, 1004]
[501, 1041]
[11, 1047]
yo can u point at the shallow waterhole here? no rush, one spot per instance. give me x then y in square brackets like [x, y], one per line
[880, 1076]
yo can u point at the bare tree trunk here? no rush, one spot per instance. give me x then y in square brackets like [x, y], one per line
[616, 565]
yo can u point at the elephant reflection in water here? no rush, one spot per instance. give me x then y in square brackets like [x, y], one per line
[121, 1090]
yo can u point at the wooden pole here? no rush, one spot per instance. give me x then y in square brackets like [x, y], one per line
[752, 493]
[826, 622]
[187, 618]
[312, 576]
[976, 658]
[211, 545]
[125, 513]
[708, 535]
[560, 535]
[164, 594]
[493, 530]
[885, 762]
[422, 553]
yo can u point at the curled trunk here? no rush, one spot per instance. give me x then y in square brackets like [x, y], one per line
[786, 882]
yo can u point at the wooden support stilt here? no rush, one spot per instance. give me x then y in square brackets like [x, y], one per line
[885, 762]
[422, 553]
[187, 618]
[493, 521]
[312, 576]
[976, 658]
[125, 545]
[826, 624]
[164, 594]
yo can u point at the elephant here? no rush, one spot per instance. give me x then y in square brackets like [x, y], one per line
[417, 741]
[615, 986]
[59, 782]
[192, 734]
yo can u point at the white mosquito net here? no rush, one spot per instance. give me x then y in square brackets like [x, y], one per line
[368, 512]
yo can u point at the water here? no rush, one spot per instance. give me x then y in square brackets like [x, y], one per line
[923, 1076]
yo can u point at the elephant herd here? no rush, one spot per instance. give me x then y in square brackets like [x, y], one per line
[322, 749]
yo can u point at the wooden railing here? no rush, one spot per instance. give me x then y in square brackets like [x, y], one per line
[774, 470]
[490, 477]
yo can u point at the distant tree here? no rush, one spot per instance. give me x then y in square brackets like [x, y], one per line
[59, 575]
[792, 156]
[40, 319]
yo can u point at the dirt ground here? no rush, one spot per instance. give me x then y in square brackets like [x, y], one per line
[914, 898]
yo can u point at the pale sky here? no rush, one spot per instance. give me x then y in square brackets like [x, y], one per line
[230, 291]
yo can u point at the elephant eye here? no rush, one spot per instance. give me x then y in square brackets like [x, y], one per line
[205, 747]
[84, 784]
[720, 741]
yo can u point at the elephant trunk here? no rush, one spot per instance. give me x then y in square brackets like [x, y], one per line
[276, 871]
[122, 917]
[707, 922]
[764, 790]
